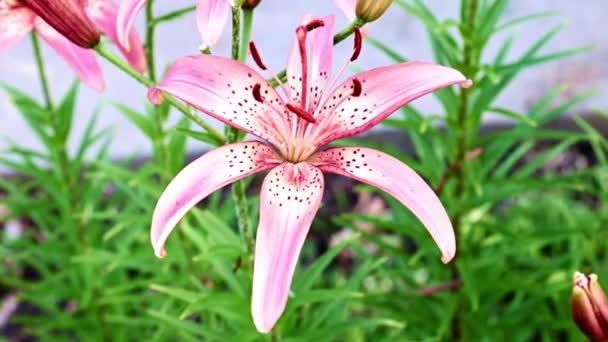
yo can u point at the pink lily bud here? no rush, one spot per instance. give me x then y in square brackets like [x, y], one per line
[68, 18]
[370, 10]
[250, 4]
[590, 307]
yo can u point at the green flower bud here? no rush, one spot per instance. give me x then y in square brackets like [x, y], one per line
[370, 10]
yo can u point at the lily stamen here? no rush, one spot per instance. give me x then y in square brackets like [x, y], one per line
[257, 58]
[301, 113]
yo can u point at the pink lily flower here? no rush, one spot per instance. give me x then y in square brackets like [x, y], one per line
[17, 21]
[211, 18]
[295, 131]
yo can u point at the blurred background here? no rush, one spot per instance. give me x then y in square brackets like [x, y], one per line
[274, 21]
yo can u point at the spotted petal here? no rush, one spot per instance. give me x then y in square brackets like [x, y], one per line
[211, 18]
[383, 91]
[319, 54]
[81, 60]
[397, 179]
[128, 10]
[104, 14]
[212, 171]
[290, 197]
[15, 23]
[224, 89]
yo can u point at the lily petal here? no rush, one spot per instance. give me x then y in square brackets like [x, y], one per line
[290, 197]
[382, 91]
[128, 10]
[81, 60]
[211, 18]
[347, 7]
[319, 54]
[104, 14]
[212, 171]
[397, 179]
[224, 89]
[15, 23]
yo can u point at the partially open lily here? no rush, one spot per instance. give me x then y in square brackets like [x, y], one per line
[17, 20]
[211, 18]
[295, 131]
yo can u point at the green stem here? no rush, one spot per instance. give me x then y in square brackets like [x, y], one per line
[119, 63]
[468, 16]
[59, 142]
[150, 28]
[172, 15]
[238, 188]
[247, 25]
[159, 140]
[59, 150]
[338, 37]
[236, 32]
[42, 72]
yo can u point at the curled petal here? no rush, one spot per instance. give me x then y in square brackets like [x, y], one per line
[397, 179]
[289, 200]
[211, 18]
[128, 10]
[15, 23]
[319, 54]
[229, 91]
[81, 60]
[383, 90]
[104, 14]
[212, 171]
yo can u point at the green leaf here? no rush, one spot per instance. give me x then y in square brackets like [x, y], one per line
[65, 112]
[145, 125]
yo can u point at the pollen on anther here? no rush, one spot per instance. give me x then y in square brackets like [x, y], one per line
[314, 24]
[357, 88]
[257, 95]
[255, 54]
[358, 44]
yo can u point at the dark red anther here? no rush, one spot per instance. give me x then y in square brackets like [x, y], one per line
[256, 55]
[301, 113]
[358, 44]
[356, 87]
[257, 94]
[314, 24]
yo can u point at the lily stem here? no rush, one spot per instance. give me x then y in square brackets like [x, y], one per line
[338, 37]
[162, 152]
[119, 63]
[150, 28]
[468, 68]
[59, 149]
[238, 188]
[247, 25]
[42, 72]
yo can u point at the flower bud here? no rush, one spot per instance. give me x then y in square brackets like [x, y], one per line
[370, 10]
[68, 18]
[250, 4]
[590, 307]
